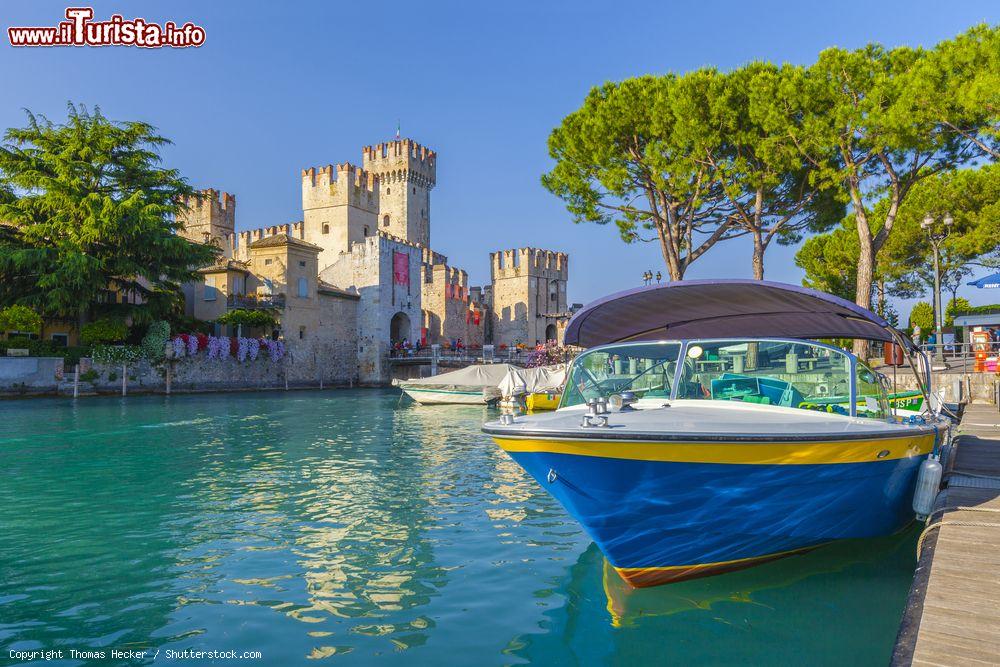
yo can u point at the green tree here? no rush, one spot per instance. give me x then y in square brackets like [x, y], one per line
[972, 198]
[922, 315]
[20, 318]
[622, 158]
[87, 209]
[955, 306]
[961, 80]
[773, 192]
[857, 120]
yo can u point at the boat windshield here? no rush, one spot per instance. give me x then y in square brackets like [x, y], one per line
[796, 374]
[645, 368]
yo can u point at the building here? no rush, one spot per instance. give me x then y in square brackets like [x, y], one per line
[528, 295]
[357, 274]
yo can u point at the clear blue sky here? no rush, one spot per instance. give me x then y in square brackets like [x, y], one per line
[279, 86]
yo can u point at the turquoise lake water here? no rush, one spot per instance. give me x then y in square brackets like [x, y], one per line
[345, 527]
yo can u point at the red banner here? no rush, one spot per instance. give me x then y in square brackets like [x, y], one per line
[401, 268]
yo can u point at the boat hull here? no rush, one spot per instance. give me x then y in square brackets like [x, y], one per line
[442, 397]
[669, 511]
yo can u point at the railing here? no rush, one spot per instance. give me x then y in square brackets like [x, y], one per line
[960, 356]
[255, 301]
[470, 356]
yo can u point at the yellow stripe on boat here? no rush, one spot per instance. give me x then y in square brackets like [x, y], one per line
[784, 453]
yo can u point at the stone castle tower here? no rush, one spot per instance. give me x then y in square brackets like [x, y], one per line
[528, 294]
[407, 172]
[209, 216]
[340, 205]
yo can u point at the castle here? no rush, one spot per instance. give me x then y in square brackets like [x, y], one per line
[357, 274]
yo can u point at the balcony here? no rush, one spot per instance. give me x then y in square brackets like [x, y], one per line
[255, 301]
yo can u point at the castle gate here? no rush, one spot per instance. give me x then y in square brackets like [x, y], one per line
[399, 327]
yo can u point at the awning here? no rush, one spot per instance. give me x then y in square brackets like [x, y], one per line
[723, 309]
[989, 282]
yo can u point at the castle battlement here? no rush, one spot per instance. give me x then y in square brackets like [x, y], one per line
[220, 201]
[340, 185]
[403, 159]
[529, 262]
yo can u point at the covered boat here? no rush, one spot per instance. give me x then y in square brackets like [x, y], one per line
[536, 388]
[697, 434]
[473, 385]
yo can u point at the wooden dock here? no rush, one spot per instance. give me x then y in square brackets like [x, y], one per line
[952, 616]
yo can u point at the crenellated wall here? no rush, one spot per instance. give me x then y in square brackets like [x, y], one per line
[340, 205]
[407, 172]
[208, 216]
[528, 295]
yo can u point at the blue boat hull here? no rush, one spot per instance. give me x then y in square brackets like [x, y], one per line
[660, 521]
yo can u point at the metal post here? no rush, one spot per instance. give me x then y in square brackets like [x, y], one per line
[124, 378]
[76, 382]
[938, 313]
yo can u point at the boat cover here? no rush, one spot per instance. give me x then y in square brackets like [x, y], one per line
[480, 376]
[543, 380]
[724, 308]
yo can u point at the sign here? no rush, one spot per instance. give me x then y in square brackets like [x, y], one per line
[401, 268]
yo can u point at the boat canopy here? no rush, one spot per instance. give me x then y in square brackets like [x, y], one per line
[480, 375]
[724, 308]
[544, 379]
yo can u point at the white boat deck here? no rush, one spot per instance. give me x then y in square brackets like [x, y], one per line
[699, 419]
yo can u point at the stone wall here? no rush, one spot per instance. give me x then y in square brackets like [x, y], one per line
[386, 308]
[30, 375]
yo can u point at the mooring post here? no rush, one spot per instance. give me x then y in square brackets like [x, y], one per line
[168, 378]
[76, 382]
[124, 378]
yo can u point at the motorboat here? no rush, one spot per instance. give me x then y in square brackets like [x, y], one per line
[695, 434]
[473, 385]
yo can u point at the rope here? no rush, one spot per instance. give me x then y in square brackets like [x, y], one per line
[938, 524]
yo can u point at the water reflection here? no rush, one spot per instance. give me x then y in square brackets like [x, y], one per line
[343, 526]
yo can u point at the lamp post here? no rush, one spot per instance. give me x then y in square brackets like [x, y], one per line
[647, 277]
[659, 277]
[937, 233]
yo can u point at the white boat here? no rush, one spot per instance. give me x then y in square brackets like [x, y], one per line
[473, 385]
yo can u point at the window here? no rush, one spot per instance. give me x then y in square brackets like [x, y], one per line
[210, 291]
[414, 191]
[302, 333]
[302, 263]
[267, 261]
[871, 399]
[367, 232]
[646, 368]
[303, 288]
[784, 373]
[388, 191]
[385, 220]
[60, 339]
[326, 229]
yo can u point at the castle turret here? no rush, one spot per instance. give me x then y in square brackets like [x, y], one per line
[339, 207]
[407, 172]
[528, 294]
[208, 216]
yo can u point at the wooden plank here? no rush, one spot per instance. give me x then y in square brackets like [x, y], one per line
[953, 614]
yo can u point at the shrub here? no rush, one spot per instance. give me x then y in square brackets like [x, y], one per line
[88, 376]
[20, 318]
[155, 341]
[117, 354]
[103, 332]
[247, 318]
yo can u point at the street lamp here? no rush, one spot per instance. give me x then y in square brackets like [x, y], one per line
[647, 277]
[937, 234]
[659, 277]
